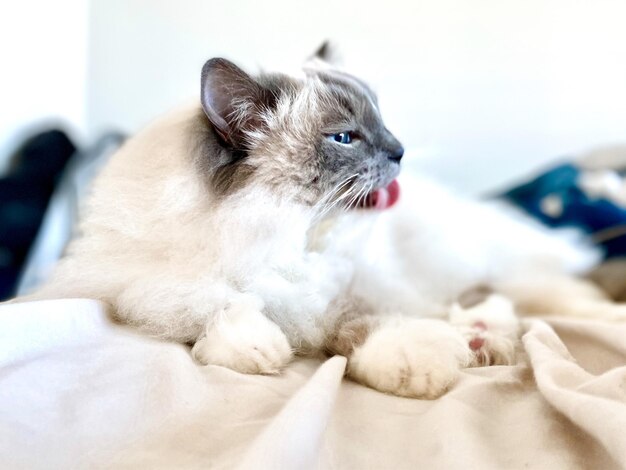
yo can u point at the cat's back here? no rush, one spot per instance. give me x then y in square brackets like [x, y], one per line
[148, 205]
[154, 177]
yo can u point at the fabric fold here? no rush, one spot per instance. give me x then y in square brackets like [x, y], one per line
[293, 437]
[597, 404]
[77, 391]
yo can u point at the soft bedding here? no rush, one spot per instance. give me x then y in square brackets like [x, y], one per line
[77, 391]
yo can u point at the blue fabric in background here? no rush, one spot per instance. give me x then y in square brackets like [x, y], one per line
[599, 218]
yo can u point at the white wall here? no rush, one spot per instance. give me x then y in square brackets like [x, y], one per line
[43, 46]
[479, 91]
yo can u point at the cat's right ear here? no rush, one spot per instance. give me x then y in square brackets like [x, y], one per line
[232, 100]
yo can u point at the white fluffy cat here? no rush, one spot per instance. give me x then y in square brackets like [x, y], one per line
[263, 222]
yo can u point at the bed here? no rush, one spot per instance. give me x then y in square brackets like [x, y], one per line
[77, 391]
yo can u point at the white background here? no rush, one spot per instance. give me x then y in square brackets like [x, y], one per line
[481, 92]
[43, 60]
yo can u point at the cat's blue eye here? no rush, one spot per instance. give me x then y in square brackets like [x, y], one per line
[342, 138]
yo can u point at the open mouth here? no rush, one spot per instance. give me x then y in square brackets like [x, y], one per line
[382, 198]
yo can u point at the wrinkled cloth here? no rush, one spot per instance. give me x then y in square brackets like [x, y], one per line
[77, 391]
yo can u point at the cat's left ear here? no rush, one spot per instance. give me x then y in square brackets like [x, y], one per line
[324, 58]
[325, 52]
[232, 100]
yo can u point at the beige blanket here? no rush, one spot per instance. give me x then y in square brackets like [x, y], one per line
[79, 392]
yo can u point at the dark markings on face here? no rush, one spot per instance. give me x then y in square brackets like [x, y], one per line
[373, 150]
[293, 151]
[223, 168]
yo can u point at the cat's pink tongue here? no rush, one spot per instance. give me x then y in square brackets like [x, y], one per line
[383, 198]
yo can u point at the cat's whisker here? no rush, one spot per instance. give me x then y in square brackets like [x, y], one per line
[338, 188]
[356, 196]
[348, 195]
[353, 197]
[323, 209]
[341, 186]
[329, 207]
[326, 204]
[327, 197]
[363, 197]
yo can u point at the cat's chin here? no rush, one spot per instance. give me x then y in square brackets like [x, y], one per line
[383, 198]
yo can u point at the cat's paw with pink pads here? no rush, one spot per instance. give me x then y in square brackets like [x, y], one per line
[491, 329]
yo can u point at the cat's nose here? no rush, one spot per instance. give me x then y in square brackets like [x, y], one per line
[396, 154]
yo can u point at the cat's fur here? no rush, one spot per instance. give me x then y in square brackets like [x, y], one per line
[234, 226]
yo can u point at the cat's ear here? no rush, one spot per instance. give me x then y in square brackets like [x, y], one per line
[324, 58]
[232, 100]
[325, 52]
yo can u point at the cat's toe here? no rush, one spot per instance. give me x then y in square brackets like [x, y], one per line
[258, 357]
[417, 359]
[413, 377]
[251, 345]
[491, 329]
[491, 349]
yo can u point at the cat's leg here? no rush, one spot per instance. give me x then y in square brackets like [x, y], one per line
[610, 276]
[403, 356]
[563, 296]
[492, 327]
[227, 327]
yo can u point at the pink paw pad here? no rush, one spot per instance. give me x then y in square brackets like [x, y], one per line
[478, 341]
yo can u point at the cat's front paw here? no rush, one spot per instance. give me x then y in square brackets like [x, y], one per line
[490, 349]
[491, 329]
[410, 358]
[243, 339]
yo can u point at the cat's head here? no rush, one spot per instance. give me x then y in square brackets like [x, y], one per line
[319, 139]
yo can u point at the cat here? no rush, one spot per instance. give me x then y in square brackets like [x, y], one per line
[267, 221]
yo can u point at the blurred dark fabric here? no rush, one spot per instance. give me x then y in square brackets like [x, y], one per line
[602, 220]
[24, 195]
